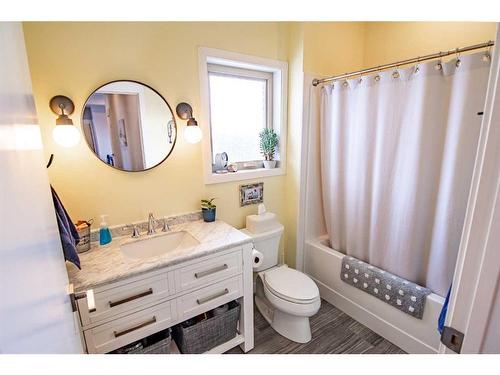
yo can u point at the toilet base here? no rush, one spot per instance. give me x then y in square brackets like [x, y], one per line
[295, 328]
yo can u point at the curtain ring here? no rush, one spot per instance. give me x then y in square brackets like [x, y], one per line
[438, 65]
[395, 73]
[458, 62]
[345, 83]
[377, 77]
[487, 55]
[417, 68]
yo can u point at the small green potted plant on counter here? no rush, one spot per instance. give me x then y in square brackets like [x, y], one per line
[208, 209]
[268, 142]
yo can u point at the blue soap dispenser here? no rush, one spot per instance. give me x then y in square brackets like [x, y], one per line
[104, 233]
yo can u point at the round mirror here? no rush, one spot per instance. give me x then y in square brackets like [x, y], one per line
[129, 125]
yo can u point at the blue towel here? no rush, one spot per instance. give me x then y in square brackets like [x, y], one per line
[444, 310]
[67, 231]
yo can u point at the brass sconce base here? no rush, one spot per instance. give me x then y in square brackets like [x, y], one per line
[60, 103]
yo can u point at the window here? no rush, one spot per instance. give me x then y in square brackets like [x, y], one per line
[241, 95]
[240, 108]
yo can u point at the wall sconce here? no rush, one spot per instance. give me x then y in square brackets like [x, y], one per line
[65, 133]
[192, 132]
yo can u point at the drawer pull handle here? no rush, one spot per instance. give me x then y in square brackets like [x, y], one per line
[128, 299]
[201, 301]
[128, 330]
[211, 271]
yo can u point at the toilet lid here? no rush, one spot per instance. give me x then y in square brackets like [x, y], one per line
[291, 285]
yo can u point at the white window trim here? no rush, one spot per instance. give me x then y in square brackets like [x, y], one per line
[225, 70]
[279, 70]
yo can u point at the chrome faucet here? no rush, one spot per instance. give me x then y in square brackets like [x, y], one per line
[151, 224]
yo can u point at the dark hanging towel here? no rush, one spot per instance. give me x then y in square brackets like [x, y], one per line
[67, 231]
[444, 310]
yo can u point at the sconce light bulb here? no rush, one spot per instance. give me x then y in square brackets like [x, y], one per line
[66, 135]
[192, 133]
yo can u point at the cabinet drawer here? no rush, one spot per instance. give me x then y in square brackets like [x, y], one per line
[126, 297]
[208, 271]
[119, 332]
[205, 299]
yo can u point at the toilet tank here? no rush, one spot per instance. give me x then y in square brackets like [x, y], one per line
[268, 244]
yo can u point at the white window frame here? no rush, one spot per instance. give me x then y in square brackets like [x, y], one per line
[259, 75]
[227, 62]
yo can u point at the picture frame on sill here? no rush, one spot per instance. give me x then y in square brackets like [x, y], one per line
[251, 194]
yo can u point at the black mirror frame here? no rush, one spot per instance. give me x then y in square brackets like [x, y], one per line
[143, 84]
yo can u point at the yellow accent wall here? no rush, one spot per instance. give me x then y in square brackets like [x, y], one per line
[294, 136]
[386, 42]
[333, 47]
[73, 59]
[317, 48]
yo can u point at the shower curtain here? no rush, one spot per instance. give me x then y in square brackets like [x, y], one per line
[397, 156]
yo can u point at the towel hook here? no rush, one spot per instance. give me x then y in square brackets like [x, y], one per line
[51, 158]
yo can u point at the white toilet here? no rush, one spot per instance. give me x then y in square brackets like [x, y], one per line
[285, 297]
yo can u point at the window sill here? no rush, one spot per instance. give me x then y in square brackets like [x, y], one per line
[245, 174]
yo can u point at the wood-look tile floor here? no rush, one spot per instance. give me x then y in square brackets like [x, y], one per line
[332, 332]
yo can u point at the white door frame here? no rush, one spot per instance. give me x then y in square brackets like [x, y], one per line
[478, 263]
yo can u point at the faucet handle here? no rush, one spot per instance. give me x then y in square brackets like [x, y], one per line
[135, 230]
[165, 227]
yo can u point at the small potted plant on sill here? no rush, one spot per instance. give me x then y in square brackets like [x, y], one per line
[268, 142]
[208, 209]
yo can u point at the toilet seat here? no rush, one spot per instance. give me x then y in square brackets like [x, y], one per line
[291, 285]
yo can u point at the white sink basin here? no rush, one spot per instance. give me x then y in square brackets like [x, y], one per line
[158, 245]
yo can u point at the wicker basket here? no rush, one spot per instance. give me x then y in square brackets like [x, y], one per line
[208, 333]
[158, 343]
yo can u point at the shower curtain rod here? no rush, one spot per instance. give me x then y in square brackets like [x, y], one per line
[489, 43]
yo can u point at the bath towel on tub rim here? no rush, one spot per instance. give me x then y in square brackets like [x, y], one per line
[394, 290]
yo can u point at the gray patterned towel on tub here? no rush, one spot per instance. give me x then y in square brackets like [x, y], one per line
[396, 291]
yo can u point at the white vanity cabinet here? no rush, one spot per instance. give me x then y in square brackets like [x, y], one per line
[121, 312]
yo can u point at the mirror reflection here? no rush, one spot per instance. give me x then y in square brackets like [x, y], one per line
[129, 126]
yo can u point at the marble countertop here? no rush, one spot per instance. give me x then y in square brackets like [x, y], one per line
[105, 264]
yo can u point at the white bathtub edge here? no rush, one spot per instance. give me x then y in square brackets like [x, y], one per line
[379, 323]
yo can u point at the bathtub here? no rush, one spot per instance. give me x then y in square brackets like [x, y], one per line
[412, 335]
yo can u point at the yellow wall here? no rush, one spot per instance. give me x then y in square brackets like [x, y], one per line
[318, 48]
[294, 136]
[333, 47]
[386, 42]
[75, 58]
